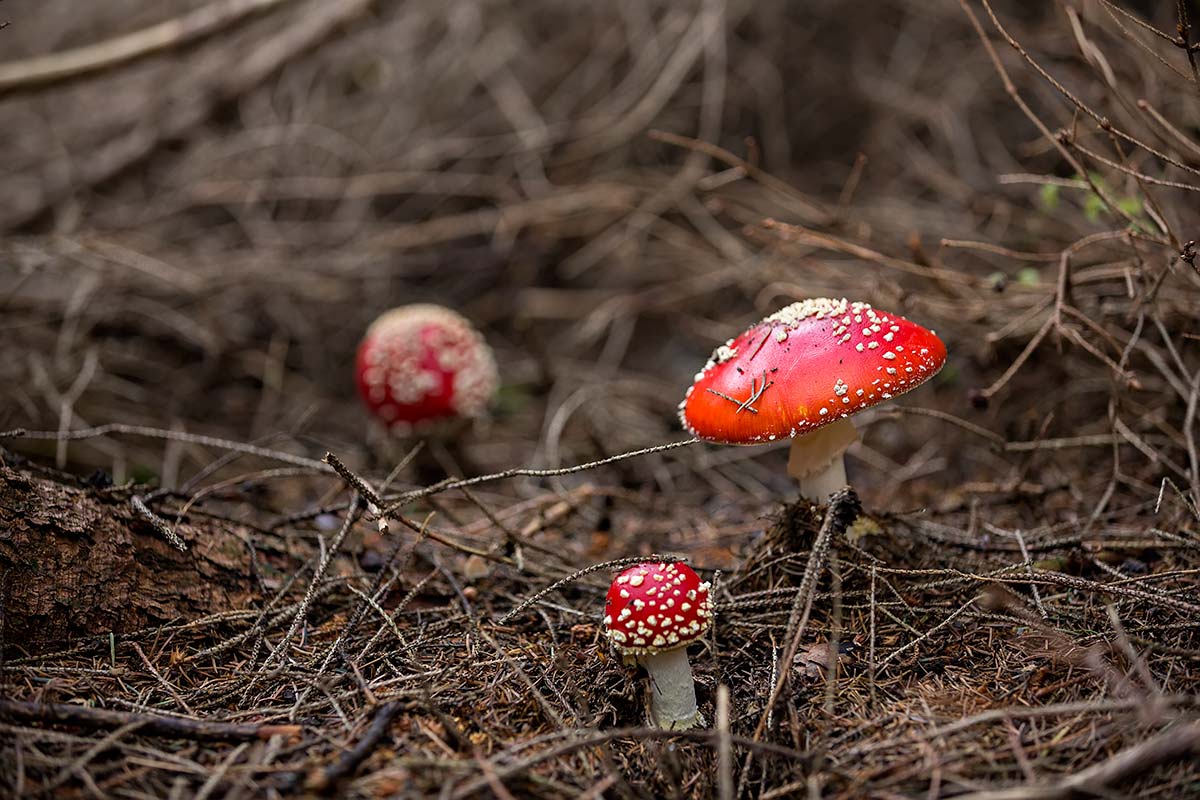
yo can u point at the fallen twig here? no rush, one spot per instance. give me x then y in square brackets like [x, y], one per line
[326, 779]
[148, 724]
[1170, 745]
[183, 30]
[524, 472]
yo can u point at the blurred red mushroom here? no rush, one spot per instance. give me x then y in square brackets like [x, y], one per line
[421, 365]
[800, 374]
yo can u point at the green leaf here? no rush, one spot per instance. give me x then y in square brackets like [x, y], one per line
[511, 399]
[1131, 205]
[1048, 194]
[143, 475]
[949, 375]
[1029, 276]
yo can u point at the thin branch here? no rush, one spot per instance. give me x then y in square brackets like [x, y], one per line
[159, 433]
[574, 576]
[172, 727]
[171, 33]
[1181, 741]
[326, 779]
[526, 472]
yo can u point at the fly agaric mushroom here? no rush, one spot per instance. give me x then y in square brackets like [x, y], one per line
[423, 364]
[801, 373]
[652, 612]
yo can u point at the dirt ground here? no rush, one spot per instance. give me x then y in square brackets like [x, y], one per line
[206, 202]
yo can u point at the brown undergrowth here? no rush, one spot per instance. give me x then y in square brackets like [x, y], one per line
[195, 241]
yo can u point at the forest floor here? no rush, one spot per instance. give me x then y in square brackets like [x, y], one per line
[200, 220]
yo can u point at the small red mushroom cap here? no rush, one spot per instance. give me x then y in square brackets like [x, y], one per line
[424, 363]
[807, 365]
[656, 606]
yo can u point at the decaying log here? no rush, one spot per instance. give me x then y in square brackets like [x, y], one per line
[76, 561]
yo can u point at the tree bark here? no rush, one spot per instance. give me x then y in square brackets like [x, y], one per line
[77, 562]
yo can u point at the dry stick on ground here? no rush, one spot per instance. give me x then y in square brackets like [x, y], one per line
[814, 211]
[514, 539]
[173, 727]
[189, 107]
[381, 585]
[1133, 656]
[844, 507]
[798, 234]
[360, 611]
[1189, 423]
[82, 61]
[326, 779]
[280, 650]
[264, 621]
[520, 472]
[1184, 42]
[510, 217]
[899, 651]
[356, 482]
[160, 433]
[158, 523]
[706, 33]
[724, 745]
[163, 682]
[896, 411]
[398, 610]
[1170, 745]
[1011, 89]
[574, 576]
[550, 711]
[1015, 366]
[1052, 578]
[506, 765]
[75, 767]
[1037, 595]
[993, 715]
[362, 489]
[1101, 121]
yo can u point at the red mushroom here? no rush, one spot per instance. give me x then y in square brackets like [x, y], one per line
[801, 373]
[423, 364]
[652, 612]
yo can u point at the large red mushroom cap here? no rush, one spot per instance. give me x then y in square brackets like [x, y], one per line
[656, 606]
[422, 364]
[805, 366]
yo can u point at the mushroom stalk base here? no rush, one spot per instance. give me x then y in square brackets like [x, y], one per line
[817, 462]
[672, 690]
[818, 487]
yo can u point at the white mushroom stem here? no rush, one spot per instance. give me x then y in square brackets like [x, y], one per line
[672, 690]
[817, 459]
